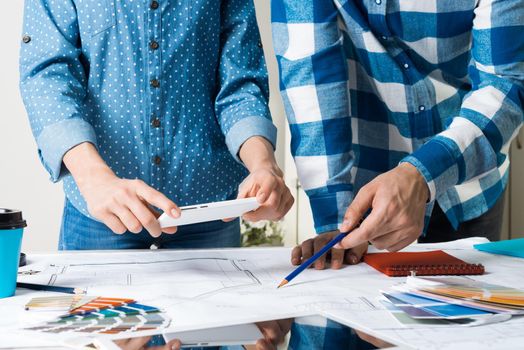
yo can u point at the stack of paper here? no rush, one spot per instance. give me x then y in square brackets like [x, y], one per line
[99, 315]
[461, 300]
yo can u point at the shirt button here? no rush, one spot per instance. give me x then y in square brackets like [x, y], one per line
[406, 66]
[155, 83]
[421, 108]
[260, 44]
[154, 5]
[384, 37]
[155, 122]
[157, 160]
[26, 39]
[153, 45]
[378, 2]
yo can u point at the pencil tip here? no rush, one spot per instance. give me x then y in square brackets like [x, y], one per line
[282, 284]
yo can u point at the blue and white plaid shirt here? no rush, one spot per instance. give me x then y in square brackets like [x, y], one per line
[368, 84]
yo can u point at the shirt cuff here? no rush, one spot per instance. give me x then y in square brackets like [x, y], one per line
[437, 164]
[57, 139]
[329, 209]
[246, 128]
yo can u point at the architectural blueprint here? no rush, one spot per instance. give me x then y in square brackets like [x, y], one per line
[208, 287]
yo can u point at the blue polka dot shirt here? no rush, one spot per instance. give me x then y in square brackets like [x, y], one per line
[167, 90]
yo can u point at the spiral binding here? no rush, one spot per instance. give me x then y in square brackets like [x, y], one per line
[435, 269]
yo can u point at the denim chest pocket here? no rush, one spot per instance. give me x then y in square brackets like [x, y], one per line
[96, 16]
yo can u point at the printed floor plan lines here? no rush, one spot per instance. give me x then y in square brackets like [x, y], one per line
[184, 275]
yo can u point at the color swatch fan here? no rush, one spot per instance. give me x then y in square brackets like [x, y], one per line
[100, 315]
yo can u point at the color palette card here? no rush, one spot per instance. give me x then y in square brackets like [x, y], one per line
[419, 307]
[470, 289]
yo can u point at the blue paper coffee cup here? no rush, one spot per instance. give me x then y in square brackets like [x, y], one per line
[11, 230]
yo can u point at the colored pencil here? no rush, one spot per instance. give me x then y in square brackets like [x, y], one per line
[311, 260]
[68, 290]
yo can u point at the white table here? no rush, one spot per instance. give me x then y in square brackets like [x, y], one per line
[215, 294]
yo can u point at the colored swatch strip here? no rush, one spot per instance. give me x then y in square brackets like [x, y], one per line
[114, 325]
[129, 318]
[420, 307]
[66, 303]
[101, 303]
[122, 311]
[485, 293]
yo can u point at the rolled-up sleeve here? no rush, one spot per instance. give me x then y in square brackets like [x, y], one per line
[53, 81]
[242, 100]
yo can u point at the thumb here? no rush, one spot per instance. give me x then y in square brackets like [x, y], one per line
[358, 208]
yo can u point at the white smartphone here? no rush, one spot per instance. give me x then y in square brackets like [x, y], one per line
[246, 334]
[194, 214]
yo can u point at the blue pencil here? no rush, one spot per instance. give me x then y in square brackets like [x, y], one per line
[311, 260]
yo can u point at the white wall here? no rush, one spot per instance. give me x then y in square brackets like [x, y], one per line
[23, 182]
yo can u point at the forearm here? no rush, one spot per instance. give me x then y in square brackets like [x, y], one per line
[53, 83]
[84, 163]
[257, 153]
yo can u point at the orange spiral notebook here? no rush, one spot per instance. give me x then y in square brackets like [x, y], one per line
[422, 263]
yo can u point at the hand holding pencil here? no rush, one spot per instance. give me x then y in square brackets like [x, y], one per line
[319, 251]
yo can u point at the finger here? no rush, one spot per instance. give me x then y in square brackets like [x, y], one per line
[307, 249]
[358, 208]
[146, 217]
[137, 343]
[152, 196]
[393, 241]
[360, 251]
[369, 230]
[272, 204]
[337, 258]
[374, 341]
[296, 255]
[264, 344]
[174, 344]
[286, 202]
[318, 244]
[114, 223]
[285, 325]
[289, 204]
[400, 245]
[354, 256]
[271, 331]
[121, 342]
[168, 230]
[254, 216]
[129, 220]
[266, 188]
